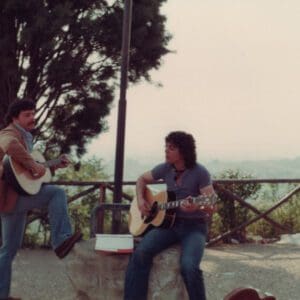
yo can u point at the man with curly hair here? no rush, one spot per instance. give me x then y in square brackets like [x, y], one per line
[186, 179]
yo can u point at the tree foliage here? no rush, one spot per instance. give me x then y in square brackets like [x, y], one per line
[65, 55]
[231, 213]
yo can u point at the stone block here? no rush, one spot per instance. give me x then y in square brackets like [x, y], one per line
[99, 276]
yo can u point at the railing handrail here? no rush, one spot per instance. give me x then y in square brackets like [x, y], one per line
[225, 181]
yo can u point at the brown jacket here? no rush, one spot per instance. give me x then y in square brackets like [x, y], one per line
[12, 143]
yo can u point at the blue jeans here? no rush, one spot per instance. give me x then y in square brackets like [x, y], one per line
[52, 198]
[191, 236]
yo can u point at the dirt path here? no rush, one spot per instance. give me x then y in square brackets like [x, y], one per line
[38, 274]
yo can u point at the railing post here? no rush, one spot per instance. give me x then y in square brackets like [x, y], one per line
[100, 212]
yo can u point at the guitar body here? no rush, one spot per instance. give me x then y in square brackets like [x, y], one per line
[21, 179]
[139, 224]
[247, 294]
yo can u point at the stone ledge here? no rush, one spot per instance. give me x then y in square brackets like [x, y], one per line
[98, 276]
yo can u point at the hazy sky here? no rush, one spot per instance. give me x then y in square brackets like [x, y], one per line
[233, 83]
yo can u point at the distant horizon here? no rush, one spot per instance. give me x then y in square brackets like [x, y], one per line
[97, 151]
[159, 158]
[281, 168]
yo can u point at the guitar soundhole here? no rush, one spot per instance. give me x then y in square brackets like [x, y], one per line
[153, 213]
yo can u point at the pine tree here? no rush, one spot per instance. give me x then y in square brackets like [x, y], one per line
[65, 55]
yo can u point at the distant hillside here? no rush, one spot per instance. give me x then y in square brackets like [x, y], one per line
[283, 168]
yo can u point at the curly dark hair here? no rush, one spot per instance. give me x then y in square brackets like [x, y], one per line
[186, 145]
[16, 107]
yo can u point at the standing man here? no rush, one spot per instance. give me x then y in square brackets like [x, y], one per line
[186, 178]
[16, 141]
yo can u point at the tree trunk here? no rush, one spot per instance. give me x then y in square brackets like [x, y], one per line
[9, 73]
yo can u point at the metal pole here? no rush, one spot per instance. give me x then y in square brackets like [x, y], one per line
[119, 161]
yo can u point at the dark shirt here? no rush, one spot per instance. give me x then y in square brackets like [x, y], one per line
[189, 184]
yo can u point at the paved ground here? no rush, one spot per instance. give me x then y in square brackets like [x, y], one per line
[273, 268]
[38, 274]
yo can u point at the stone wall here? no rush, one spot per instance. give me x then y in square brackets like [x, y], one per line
[98, 276]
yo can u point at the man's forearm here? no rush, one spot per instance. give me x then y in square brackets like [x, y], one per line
[140, 187]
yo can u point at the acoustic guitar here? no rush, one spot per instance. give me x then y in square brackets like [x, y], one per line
[22, 180]
[162, 211]
[248, 294]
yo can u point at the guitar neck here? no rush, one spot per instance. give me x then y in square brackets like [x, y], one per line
[201, 200]
[52, 163]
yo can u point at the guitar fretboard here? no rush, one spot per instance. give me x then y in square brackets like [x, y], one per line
[201, 200]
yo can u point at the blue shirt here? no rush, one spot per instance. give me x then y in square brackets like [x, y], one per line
[27, 136]
[190, 183]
